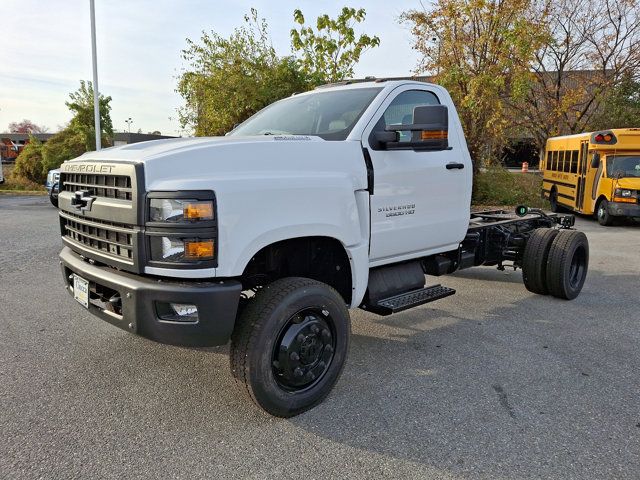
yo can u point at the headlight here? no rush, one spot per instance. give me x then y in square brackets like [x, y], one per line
[624, 193]
[181, 250]
[175, 210]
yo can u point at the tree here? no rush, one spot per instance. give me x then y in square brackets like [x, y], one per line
[29, 163]
[81, 105]
[26, 126]
[622, 107]
[76, 138]
[229, 79]
[592, 53]
[64, 145]
[330, 53]
[481, 51]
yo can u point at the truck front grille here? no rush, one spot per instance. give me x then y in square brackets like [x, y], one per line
[113, 240]
[107, 186]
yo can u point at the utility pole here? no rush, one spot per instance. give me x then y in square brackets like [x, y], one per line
[128, 121]
[96, 94]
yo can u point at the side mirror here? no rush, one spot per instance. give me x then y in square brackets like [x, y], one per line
[595, 161]
[429, 130]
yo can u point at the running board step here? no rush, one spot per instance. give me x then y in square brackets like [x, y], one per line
[404, 301]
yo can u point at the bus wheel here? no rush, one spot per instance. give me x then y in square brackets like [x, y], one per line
[602, 213]
[534, 260]
[553, 200]
[567, 264]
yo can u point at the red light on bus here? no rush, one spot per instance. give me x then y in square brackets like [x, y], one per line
[599, 137]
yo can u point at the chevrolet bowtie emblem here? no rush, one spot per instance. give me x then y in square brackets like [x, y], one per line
[82, 201]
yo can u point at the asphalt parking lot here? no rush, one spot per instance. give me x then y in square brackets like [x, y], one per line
[494, 383]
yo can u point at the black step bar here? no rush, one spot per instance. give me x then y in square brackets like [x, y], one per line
[411, 299]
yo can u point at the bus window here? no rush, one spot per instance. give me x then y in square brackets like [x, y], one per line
[574, 161]
[554, 161]
[561, 161]
[567, 161]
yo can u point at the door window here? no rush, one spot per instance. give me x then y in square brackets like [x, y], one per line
[400, 112]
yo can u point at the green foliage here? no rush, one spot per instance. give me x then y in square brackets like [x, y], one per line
[497, 187]
[30, 161]
[229, 79]
[81, 105]
[14, 182]
[330, 53]
[481, 51]
[64, 145]
[621, 107]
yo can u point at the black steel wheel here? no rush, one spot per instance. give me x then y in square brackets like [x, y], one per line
[567, 264]
[534, 260]
[304, 350]
[290, 344]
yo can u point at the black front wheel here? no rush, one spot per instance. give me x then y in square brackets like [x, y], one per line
[290, 345]
[53, 195]
[603, 215]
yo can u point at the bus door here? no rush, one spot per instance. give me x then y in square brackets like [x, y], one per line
[583, 163]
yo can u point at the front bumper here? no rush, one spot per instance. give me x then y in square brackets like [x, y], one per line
[217, 302]
[618, 209]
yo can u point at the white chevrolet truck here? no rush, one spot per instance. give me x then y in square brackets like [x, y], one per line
[354, 195]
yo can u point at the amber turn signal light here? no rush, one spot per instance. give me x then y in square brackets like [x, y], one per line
[198, 250]
[198, 211]
[434, 135]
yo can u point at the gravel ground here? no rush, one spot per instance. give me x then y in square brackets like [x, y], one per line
[494, 383]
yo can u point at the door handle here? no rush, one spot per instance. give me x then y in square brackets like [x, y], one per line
[454, 166]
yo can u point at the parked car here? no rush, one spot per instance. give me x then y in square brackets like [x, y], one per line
[53, 178]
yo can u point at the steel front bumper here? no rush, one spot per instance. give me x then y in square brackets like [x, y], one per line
[618, 209]
[217, 302]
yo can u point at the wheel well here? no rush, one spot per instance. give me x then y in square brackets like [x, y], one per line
[320, 258]
[600, 199]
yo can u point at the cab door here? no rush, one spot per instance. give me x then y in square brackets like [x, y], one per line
[421, 199]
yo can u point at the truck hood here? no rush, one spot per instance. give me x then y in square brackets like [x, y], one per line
[147, 151]
[206, 162]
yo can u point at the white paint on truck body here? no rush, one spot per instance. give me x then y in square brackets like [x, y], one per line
[273, 188]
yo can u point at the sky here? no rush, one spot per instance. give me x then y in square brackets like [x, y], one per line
[45, 49]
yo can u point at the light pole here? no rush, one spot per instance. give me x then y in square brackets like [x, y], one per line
[96, 95]
[128, 121]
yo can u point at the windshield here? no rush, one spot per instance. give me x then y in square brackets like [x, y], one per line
[619, 166]
[330, 115]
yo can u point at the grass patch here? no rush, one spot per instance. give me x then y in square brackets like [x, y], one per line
[499, 187]
[14, 184]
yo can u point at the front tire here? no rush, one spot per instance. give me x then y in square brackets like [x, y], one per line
[602, 213]
[53, 195]
[290, 345]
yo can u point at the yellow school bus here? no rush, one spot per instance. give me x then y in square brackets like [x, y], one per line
[595, 173]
